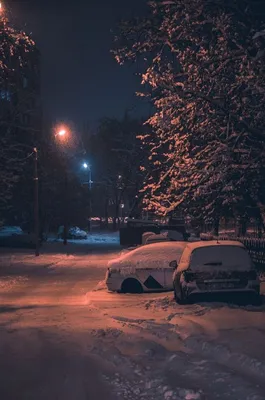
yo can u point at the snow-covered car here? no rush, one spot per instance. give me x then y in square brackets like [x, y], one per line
[10, 231]
[215, 267]
[161, 237]
[146, 235]
[14, 237]
[147, 268]
[73, 233]
[77, 233]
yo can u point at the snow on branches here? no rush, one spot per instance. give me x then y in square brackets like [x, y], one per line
[13, 48]
[199, 64]
[15, 58]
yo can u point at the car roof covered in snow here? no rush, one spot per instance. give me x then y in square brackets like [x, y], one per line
[154, 252]
[171, 244]
[197, 245]
[233, 255]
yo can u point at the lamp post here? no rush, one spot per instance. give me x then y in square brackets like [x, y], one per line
[87, 167]
[34, 154]
[61, 133]
[36, 203]
[122, 208]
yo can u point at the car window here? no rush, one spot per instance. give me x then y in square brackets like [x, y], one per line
[223, 257]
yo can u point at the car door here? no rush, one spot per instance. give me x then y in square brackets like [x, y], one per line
[168, 277]
[147, 268]
[152, 278]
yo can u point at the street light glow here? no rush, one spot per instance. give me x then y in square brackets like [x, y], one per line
[62, 132]
[85, 165]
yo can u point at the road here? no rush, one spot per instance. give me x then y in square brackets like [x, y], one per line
[44, 325]
[62, 336]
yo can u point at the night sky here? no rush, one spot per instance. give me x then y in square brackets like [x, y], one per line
[80, 79]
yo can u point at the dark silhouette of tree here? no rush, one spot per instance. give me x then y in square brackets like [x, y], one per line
[117, 157]
[19, 111]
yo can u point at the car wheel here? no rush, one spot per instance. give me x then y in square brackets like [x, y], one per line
[131, 285]
[175, 295]
[183, 298]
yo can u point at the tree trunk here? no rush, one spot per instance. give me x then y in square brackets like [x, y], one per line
[216, 226]
[116, 219]
[243, 226]
[261, 208]
[106, 213]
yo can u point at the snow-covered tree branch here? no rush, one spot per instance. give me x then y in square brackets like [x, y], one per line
[199, 63]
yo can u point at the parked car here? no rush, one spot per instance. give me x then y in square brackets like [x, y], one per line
[161, 237]
[164, 236]
[10, 231]
[73, 233]
[14, 237]
[215, 267]
[77, 233]
[145, 236]
[147, 268]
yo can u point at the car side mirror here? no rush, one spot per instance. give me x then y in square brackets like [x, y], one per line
[173, 264]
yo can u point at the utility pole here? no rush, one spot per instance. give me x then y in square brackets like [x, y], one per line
[90, 199]
[88, 168]
[66, 200]
[36, 203]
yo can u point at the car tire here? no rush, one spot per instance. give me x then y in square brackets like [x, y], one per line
[175, 295]
[183, 299]
[131, 285]
[180, 300]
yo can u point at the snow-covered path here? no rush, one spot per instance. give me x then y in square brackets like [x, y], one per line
[45, 326]
[63, 336]
[201, 351]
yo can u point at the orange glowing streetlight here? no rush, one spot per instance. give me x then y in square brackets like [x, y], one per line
[61, 131]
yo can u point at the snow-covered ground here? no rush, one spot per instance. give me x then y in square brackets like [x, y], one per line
[63, 336]
[99, 238]
[201, 351]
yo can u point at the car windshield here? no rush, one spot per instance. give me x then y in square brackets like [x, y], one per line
[224, 257]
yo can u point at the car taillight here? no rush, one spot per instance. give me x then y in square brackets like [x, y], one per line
[188, 276]
[252, 275]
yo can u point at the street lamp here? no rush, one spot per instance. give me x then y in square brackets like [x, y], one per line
[87, 167]
[122, 208]
[34, 154]
[62, 133]
[36, 211]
